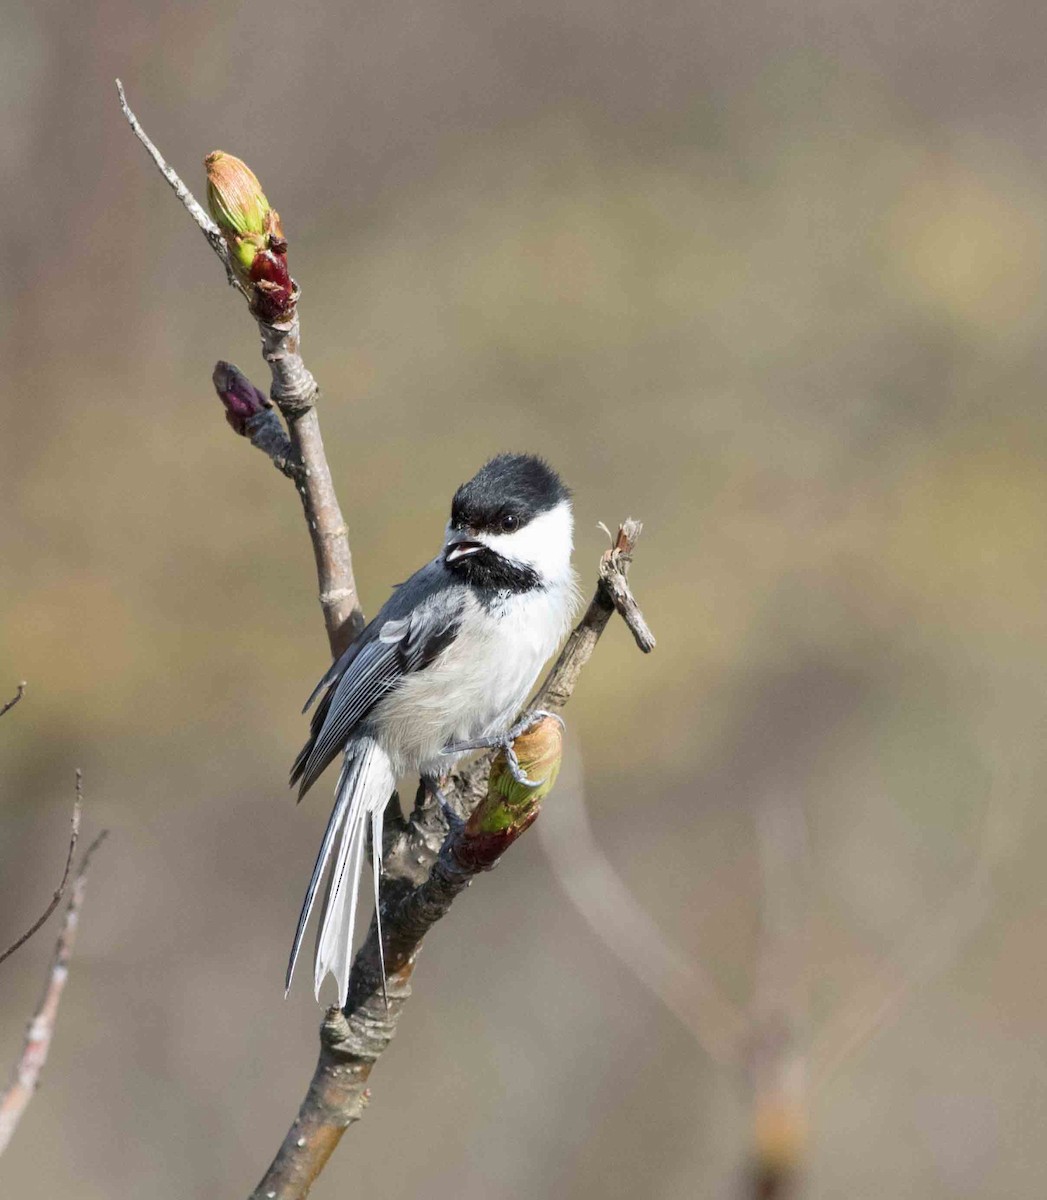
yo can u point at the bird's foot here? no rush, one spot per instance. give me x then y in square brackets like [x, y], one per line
[504, 742]
[454, 821]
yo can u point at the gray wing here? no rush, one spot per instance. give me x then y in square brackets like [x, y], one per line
[419, 620]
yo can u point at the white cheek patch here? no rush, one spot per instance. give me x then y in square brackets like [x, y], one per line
[544, 543]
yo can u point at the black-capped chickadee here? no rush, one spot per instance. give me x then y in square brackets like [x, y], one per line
[445, 665]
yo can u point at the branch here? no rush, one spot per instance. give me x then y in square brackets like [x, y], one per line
[295, 392]
[14, 699]
[74, 833]
[351, 1040]
[250, 413]
[614, 567]
[612, 593]
[424, 871]
[192, 206]
[424, 868]
[15, 1100]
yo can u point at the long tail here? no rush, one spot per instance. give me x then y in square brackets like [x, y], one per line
[364, 786]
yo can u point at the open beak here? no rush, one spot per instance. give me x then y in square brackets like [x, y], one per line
[461, 547]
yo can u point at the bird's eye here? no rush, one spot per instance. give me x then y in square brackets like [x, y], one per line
[510, 522]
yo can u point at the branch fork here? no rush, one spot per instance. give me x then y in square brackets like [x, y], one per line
[425, 865]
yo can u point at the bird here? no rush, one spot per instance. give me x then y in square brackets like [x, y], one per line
[444, 668]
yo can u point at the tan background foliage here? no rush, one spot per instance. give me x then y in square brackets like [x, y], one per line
[769, 277]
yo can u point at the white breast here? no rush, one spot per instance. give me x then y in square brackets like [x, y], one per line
[479, 684]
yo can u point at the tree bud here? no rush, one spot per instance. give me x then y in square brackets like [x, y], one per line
[252, 231]
[235, 196]
[241, 398]
[510, 804]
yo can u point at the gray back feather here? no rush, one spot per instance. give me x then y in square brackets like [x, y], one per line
[416, 624]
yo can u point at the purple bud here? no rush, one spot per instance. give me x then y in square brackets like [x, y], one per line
[241, 398]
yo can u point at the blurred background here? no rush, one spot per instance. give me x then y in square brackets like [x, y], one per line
[768, 276]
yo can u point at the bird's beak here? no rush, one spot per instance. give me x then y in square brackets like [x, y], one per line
[461, 547]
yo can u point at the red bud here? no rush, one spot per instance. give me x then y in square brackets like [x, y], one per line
[274, 288]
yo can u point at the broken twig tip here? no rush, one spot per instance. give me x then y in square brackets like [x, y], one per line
[19, 693]
[614, 567]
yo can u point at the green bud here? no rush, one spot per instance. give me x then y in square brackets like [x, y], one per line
[244, 250]
[252, 231]
[235, 198]
[510, 804]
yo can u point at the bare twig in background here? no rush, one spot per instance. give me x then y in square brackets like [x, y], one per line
[74, 834]
[770, 1046]
[613, 913]
[765, 1045]
[422, 874]
[14, 699]
[295, 392]
[15, 1100]
[777, 1059]
[930, 949]
[424, 868]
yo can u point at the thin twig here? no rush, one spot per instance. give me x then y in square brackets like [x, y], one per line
[15, 698]
[192, 206]
[15, 1100]
[74, 833]
[251, 414]
[561, 680]
[295, 392]
[613, 568]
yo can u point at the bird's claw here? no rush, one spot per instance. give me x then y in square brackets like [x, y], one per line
[515, 770]
[532, 718]
[455, 823]
[504, 742]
